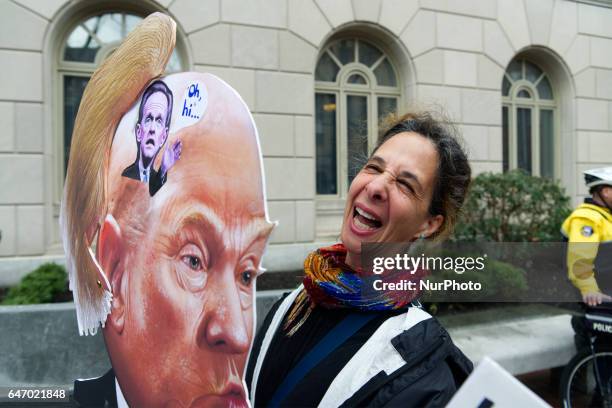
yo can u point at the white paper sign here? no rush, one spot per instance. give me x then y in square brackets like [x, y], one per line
[490, 386]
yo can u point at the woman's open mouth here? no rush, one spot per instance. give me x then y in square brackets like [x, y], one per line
[364, 222]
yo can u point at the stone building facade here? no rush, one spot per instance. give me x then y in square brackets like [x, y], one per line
[529, 83]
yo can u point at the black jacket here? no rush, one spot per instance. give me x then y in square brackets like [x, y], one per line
[96, 392]
[434, 369]
[156, 181]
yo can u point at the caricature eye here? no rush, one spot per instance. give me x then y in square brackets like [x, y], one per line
[193, 257]
[192, 272]
[193, 262]
[246, 277]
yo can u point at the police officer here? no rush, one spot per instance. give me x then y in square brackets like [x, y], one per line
[591, 223]
[589, 232]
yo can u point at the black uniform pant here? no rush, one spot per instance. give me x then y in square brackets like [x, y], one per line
[582, 340]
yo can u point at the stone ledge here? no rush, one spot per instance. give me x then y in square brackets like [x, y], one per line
[520, 346]
[41, 346]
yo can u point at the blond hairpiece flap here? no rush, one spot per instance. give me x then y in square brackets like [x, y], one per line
[112, 90]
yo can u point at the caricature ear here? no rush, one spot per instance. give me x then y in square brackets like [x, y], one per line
[138, 132]
[110, 247]
[430, 226]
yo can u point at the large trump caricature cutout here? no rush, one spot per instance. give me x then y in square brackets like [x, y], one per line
[165, 223]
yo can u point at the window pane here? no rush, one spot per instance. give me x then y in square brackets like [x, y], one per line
[515, 70]
[544, 89]
[73, 91]
[547, 144]
[532, 72]
[174, 65]
[77, 38]
[384, 74]
[344, 50]
[368, 54]
[92, 23]
[357, 79]
[357, 132]
[109, 28]
[524, 94]
[131, 22]
[386, 106]
[523, 138]
[325, 111]
[86, 39]
[80, 46]
[506, 86]
[505, 139]
[326, 69]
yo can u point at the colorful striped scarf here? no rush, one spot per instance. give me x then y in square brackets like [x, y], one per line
[329, 282]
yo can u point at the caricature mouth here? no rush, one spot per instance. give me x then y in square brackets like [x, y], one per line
[365, 220]
[150, 142]
[232, 395]
[233, 389]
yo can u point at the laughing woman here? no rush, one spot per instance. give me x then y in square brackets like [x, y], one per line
[323, 345]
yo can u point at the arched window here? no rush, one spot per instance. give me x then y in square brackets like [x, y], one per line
[88, 43]
[529, 120]
[356, 86]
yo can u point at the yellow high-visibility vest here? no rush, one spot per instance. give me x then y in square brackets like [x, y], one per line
[589, 223]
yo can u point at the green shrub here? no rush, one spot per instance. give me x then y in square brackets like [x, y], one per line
[513, 207]
[43, 285]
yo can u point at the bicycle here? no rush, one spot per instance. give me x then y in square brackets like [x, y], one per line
[587, 378]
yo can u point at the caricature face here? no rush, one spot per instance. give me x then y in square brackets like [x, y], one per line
[151, 132]
[183, 265]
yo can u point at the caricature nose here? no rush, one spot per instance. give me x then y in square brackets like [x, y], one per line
[377, 187]
[223, 327]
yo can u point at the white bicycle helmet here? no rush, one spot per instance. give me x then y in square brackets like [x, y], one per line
[598, 177]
